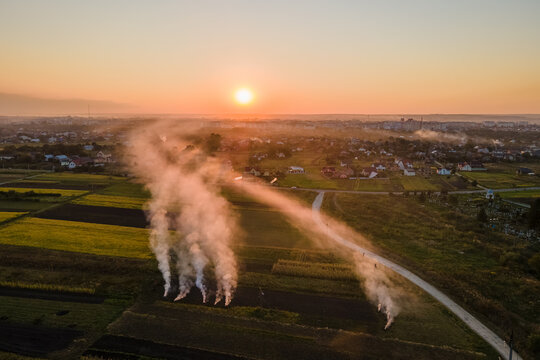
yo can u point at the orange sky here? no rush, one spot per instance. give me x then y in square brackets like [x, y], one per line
[300, 57]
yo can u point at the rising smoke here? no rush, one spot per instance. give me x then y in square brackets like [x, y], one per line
[190, 223]
[328, 233]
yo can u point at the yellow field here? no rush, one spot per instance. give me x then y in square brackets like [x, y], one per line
[111, 201]
[6, 215]
[78, 237]
[62, 192]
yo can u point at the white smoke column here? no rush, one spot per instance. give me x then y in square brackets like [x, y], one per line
[187, 215]
[377, 287]
[159, 242]
[375, 281]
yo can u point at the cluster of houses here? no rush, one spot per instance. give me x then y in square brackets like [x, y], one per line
[75, 161]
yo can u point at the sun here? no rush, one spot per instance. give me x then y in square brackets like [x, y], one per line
[243, 96]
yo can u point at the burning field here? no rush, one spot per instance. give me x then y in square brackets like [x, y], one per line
[245, 271]
[192, 224]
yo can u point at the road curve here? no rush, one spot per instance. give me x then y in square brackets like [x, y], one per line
[488, 335]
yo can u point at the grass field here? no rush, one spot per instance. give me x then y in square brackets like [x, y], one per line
[531, 194]
[67, 177]
[9, 215]
[417, 183]
[111, 201]
[309, 294]
[501, 180]
[450, 250]
[63, 193]
[126, 188]
[77, 236]
[314, 270]
[24, 206]
[503, 175]
[267, 227]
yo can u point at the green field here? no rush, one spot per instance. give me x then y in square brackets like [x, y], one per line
[126, 188]
[78, 236]
[267, 227]
[111, 201]
[57, 256]
[503, 175]
[22, 205]
[450, 250]
[63, 193]
[533, 194]
[72, 178]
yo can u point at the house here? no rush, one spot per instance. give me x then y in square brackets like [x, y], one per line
[328, 171]
[88, 147]
[102, 158]
[524, 171]
[443, 171]
[409, 172]
[61, 158]
[344, 173]
[252, 171]
[489, 194]
[296, 170]
[464, 167]
[379, 166]
[49, 157]
[369, 172]
[403, 164]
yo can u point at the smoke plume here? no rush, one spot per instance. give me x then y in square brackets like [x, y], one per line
[190, 223]
[328, 233]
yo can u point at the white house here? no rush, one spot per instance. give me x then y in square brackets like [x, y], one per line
[296, 170]
[443, 171]
[379, 166]
[464, 167]
[409, 172]
[61, 158]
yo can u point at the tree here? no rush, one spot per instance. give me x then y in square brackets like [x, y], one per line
[474, 183]
[534, 215]
[482, 216]
[213, 143]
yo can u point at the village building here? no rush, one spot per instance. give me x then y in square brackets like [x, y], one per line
[296, 170]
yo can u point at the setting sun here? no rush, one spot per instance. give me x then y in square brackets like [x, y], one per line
[243, 96]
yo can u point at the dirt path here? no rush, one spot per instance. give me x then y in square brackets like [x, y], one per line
[486, 334]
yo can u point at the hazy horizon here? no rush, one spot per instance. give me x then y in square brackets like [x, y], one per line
[315, 57]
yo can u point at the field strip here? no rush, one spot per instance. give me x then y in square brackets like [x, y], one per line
[489, 336]
[19, 179]
[456, 192]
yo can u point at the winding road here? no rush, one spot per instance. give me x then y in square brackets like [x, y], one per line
[488, 335]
